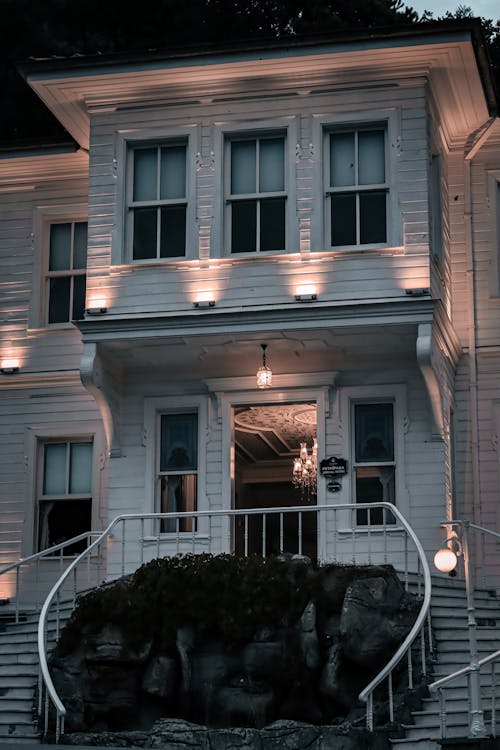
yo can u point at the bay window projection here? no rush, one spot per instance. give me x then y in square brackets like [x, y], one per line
[357, 187]
[64, 493]
[374, 460]
[257, 196]
[178, 468]
[158, 202]
[66, 275]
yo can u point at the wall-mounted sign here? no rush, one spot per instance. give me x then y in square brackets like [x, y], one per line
[333, 467]
[334, 486]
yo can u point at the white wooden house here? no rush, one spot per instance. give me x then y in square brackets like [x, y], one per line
[335, 199]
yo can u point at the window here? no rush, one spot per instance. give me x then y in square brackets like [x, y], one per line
[256, 194]
[357, 189]
[374, 465]
[64, 496]
[158, 201]
[65, 279]
[178, 468]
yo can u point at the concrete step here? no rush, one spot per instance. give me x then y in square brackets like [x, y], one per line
[410, 743]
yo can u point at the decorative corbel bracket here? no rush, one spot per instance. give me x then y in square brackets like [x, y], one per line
[94, 378]
[427, 354]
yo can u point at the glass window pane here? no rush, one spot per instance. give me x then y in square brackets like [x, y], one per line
[371, 157]
[342, 159]
[62, 520]
[59, 295]
[80, 245]
[173, 172]
[375, 484]
[178, 494]
[272, 224]
[343, 208]
[179, 442]
[145, 174]
[244, 227]
[173, 231]
[374, 431]
[372, 218]
[144, 233]
[54, 469]
[271, 165]
[60, 247]
[80, 473]
[79, 287]
[243, 167]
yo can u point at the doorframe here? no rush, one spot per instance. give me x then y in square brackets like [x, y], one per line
[231, 392]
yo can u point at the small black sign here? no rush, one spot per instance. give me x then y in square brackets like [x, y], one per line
[334, 486]
[333, 467]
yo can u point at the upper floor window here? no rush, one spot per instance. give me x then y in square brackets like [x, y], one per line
[64, 496]
[158, 201]
[65, 278]
[256, 194]
[357, 186]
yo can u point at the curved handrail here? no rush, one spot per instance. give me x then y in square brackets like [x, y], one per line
[417, 625]
[49, 551]
[46, 677]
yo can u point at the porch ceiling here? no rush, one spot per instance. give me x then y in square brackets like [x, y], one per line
[219, 355]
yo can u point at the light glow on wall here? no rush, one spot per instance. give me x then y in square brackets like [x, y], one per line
[9, 365]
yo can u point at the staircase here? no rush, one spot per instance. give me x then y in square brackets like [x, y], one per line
[19, 677]
[449, 624]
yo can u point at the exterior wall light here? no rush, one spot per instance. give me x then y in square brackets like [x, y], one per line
[96, 310]
[445, 560]
[204, 303]
[306, 293]
[9, 366]
[418, 292]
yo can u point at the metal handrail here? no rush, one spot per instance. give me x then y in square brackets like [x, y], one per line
[36, 556]
[472, 670]
[419, 623]
[367, 693]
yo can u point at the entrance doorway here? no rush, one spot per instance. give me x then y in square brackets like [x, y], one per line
[267, 443]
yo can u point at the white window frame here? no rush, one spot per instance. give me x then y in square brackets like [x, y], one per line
[43, 218]
[395, 394]
[154, 408]
[35, 438]
[226, 132]
[124, 143]
[494, 203]
[323, 126]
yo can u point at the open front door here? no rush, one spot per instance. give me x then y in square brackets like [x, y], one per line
[267, 444]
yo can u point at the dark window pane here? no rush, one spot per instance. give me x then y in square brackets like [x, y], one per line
[374, 432]
[60, 247]
[178, 495]
[179, 442]
[343, 220]
[59, 291]
[61, 520]
[372, 217]
[80, 245]
[144, 233]
[173, 172]
[243, 167]
[54, 469]
[145, 174]
[272, 224]
[79, 285]
[375, 484]
[243, 226]
[173, 231]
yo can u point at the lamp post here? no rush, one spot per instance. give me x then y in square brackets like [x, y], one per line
[460, 545]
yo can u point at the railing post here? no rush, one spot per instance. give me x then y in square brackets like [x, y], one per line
[477, 727]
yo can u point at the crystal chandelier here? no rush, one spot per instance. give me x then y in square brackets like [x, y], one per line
[305, 469]
[264, 374]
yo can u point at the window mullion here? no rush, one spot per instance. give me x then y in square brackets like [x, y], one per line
[358, 220]
[68, 462]
[158, 231]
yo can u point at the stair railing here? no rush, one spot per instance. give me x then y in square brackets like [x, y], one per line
[27, 570]
[459, 544]
[364, 533]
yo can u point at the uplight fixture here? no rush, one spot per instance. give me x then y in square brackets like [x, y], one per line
[264, 374]
[204, 303]
[418, 292]
[306, 293]
[96, 310]
[9, 366]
